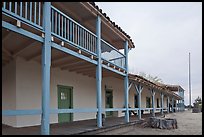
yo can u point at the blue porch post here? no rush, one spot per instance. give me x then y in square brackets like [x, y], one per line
[46, 62]
[179, 105]
[139, 89]
[126, 82]
[162, 103]
[153, 94]
[172, 104]
[98, 72]
[179, 100]
[167, 104]
[176, 106]
[182, 100]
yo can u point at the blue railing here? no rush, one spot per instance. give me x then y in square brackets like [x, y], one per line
[112, 55]
[28, 12]
[69, 30]
[63, 28]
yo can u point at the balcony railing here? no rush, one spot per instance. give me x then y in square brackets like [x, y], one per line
[69, 30]
[28, 12]
[64, 28]
[112, 55]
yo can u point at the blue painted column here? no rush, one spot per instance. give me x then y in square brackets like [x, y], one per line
[168, 104]
[179, 105]
[172, 104]
[98, 72]
[162, 103]
[46, 62]
[126, 83]
[176, 106]
[183, 100]
[139, 89]
[153, 94]
[139, 100]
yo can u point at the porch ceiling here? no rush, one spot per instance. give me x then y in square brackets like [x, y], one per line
[14, 45]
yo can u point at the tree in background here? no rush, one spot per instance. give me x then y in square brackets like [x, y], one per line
[151, 78]
[197, 105]
[197, 102]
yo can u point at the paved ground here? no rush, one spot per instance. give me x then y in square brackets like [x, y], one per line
[188, 124]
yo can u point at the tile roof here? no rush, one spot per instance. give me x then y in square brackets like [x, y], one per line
[113, 23]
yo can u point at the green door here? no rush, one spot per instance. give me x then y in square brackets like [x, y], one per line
[65, 101]
[136, 101]
[109, 102]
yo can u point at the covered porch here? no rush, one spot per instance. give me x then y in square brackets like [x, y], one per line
[76, 127]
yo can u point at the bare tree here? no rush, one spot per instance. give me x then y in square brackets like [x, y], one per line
[151, 78]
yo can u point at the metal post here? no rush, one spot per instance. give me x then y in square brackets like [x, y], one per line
[168, 104]
[98, 72]
[126, 83]
[46, 61]
[153, 111]
[189, 81]
[162, 103]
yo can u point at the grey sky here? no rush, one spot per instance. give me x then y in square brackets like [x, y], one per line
[164, 33]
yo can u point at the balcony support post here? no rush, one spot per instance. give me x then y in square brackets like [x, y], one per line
[172, 104]
[46, 62]
[126, 83]
[153, 95]
[167, 104]
[139, 89]
[162, 103]
[98, 72]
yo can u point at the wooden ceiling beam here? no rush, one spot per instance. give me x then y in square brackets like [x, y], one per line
[7, 51]
[37, 54]
[82, 68]
[56, 60]
[27, 44]
[87, 19]
[87, 70]
[89, 74]
[66, 62]
[6, 36]
[72, 64]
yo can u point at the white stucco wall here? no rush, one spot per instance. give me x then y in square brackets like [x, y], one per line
[29, 87]
[9, 94]
[28, 90]
[28, 76]
[25, 78]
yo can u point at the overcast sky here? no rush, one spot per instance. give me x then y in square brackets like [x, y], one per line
[163, 33]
